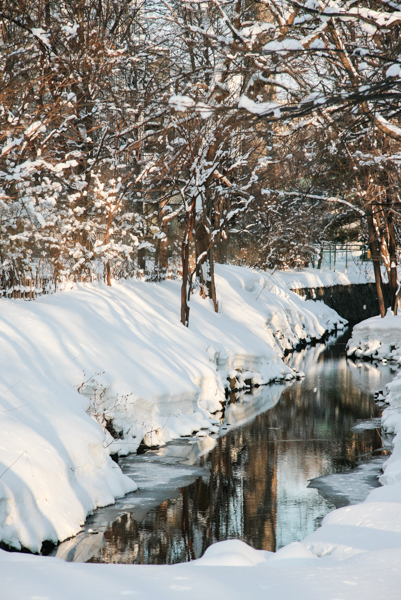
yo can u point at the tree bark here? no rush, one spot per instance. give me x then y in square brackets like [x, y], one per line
[106, 241]
[205, 263]
[185, 248]
[162, 246]
[393, 283]
[392, 249]
[374, 249]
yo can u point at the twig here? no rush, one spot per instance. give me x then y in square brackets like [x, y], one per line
[266, 282]
[378, 430]
[16, 408]
[24, 452]
[8, 389]
[370, 453]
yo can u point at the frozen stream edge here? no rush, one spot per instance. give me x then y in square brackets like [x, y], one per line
[152, 378]
[169, 468]
[359, 546]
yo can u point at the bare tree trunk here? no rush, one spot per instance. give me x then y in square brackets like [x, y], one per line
[162, 245]
[185, 248]
[380, 218]
[162, 258]
[392, 249]
[106, 241]
[374, 249]
[205, 263]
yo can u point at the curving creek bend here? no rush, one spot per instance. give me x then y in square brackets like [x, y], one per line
[252, 481]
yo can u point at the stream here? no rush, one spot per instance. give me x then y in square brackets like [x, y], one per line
[286, 454]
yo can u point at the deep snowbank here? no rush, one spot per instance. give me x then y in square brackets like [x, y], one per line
[140, 373]
[380, 339]
[354, 273]
[355, 554]
[377, 339]
[361, 562]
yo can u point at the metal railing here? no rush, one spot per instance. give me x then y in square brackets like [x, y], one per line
[336, 256]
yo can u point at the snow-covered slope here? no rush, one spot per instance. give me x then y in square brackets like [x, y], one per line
[377, 338]
[312, 278]
[391, 423]
[355, 554]
[139, 371]
[361, 562]
[380, 339]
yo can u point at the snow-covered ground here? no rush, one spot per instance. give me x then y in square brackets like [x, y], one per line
[377, 339]
[139, 372]
[130, 335]
[356, 554]
[354, 273]
[380, 339]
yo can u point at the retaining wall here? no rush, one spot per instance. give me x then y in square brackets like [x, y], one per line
[354, 302]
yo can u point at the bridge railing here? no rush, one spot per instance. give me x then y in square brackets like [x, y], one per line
[337, 257]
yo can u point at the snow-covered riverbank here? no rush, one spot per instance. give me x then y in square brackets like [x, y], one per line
[140, 373]
[379, 339]
[355, 554]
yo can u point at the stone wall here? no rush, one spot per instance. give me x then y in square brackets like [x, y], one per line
[354, 302]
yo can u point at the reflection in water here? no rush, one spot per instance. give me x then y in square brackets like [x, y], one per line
[251, 482]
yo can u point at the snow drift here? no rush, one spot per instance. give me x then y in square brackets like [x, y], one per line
[377, 339]
[380, 339]
[141, 375]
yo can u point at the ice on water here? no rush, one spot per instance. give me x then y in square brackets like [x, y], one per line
[352, 487]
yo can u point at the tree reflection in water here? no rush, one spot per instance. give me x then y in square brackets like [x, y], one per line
[254, 486]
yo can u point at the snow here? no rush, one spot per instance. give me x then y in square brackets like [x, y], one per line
[393, 71]
[364, 563]
[377, 339]
[313, 278]
[260, 108]
[204, 110]
[39, 33]
[317, 45]
[350, 487]
[288, 44]
[35, 127]
[232, 553]
[380, 339]
[181, 103]
[389, 126]
[135, 365]
[356, 552]
[382, 19]
[70, 30]
[254, 30]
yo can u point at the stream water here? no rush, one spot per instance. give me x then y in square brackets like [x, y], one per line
[286, 455]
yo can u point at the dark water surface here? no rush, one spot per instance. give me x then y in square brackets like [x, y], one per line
[251, 480]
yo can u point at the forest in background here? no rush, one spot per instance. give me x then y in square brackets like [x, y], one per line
[150, 138]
